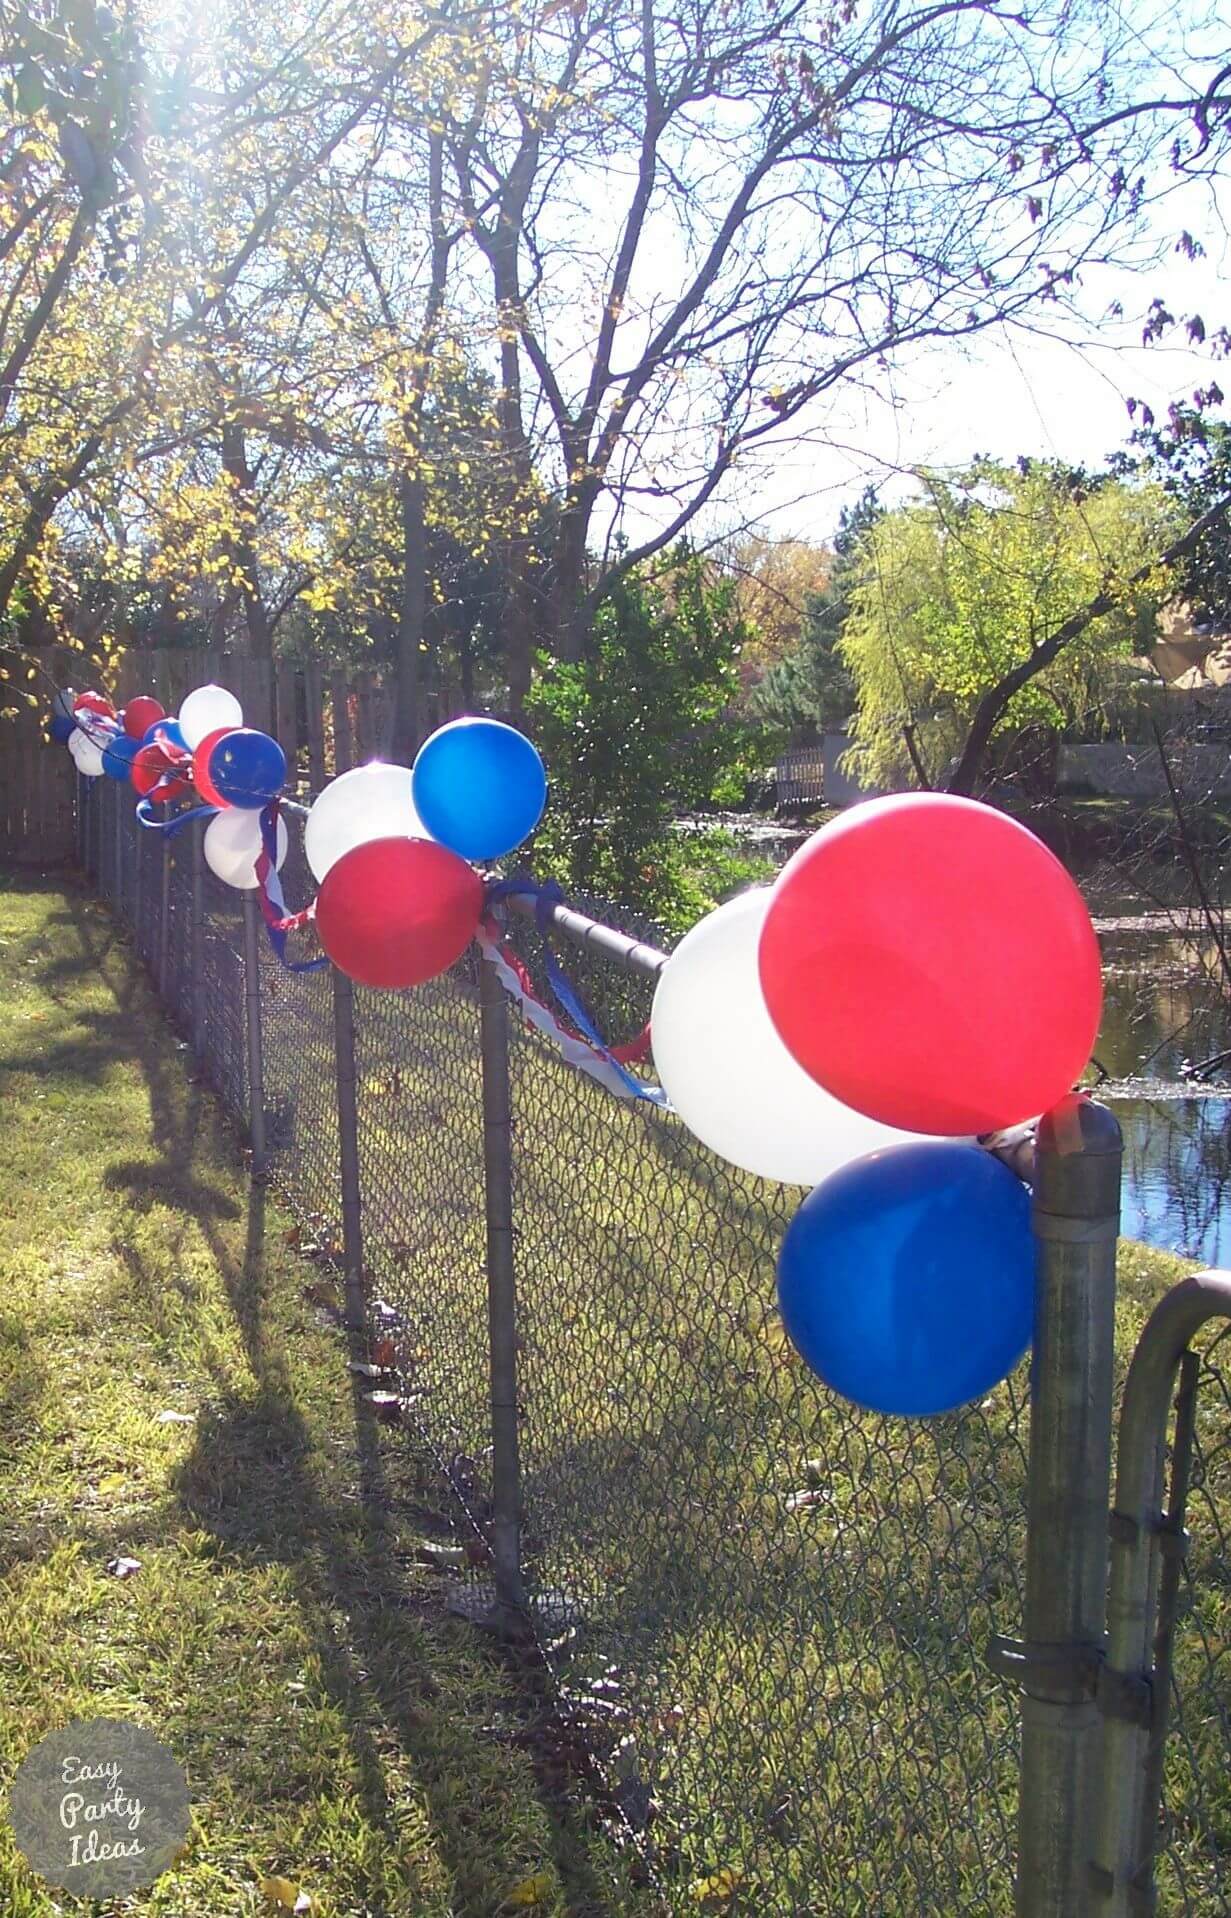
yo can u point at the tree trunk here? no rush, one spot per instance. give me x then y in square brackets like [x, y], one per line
[235, 465]
[406, 718]
[567, 623]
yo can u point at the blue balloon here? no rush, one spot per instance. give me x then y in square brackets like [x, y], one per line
[247, 768]
[906, 1280]
[479, 787]
[62, 728]
[164, 732]
[118, 756]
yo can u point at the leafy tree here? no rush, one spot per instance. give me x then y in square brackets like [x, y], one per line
[1190, 459]
[959, 595]
[774, 580]
[694, 221]
[638, 733]
[811, 689]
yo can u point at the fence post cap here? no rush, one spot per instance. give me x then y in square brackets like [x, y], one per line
[1078, 1149]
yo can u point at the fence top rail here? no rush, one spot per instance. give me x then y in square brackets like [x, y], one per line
[634, 954]
[637, 955]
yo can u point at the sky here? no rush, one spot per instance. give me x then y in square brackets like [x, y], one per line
[1014, 391]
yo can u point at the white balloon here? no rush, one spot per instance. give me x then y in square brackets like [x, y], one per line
[94, 727]
[232, 844]
[370, 802]
[205, 711]
[726, 1071]
[87, 755]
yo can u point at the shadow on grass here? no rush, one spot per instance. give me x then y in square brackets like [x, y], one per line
[249, 1479]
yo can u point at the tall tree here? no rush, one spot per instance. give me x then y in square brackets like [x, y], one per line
[698, 219]
[153, 166]
[991, 604]
[811, 688]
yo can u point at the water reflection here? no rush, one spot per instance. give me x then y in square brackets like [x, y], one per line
[1162, 1008]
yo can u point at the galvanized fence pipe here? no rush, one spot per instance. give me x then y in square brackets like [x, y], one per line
[1076, 1216]
[196, 939]
[162, 963]
[252, 1023]
[504, 1532]
[348, 1147]
[1146, 1541]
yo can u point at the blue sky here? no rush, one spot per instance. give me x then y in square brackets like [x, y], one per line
[1014, 391]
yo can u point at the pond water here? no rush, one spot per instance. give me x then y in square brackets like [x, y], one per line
[1162, 1008]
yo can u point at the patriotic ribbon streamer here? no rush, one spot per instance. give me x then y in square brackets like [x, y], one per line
[590, 1053]
[278, 921]
[169, 826]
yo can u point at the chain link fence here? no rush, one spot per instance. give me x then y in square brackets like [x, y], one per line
[765, 1613]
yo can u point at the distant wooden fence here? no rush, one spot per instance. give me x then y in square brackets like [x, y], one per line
[325, 723]
[799, 777]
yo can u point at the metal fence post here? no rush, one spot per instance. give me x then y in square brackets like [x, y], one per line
[162, 963]
[138, 919]
[505, 1529]
[348, 1144]
[252, 1020]
[115, 889]
[196, 935]
[1148, 1544]
[1076, 1221]
[82, 838]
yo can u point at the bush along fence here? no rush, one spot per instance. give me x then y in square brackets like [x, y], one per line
[824, 1660]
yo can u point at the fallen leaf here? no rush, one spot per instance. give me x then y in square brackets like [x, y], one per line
[384, 1352]
[535, 1890]
[287, 1896]
[114, 1482]
[123, 1567]
[717, 1890]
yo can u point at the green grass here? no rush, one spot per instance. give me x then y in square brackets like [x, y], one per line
[803, 1684]
[337, 1727]
[783, 1604]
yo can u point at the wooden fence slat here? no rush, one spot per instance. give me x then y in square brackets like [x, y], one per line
[286, 718]
[368, 746]
[314, 714]
[37, 780]
[339, 707]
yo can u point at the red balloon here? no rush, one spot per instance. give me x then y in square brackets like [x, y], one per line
[140, 714]
[94, 703]
[200, 767]
[928, 961]
[150, 765]
[394, 912]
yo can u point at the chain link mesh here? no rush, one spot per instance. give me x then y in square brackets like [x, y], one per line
[765, 1612]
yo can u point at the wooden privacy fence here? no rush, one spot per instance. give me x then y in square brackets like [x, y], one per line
[324, 721]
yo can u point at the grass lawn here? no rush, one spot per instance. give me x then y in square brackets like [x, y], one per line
[169, 1395]
[784, 1604]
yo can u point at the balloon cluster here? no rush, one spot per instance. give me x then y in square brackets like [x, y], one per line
[206, 748]
[922, 972]
[393, 849]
